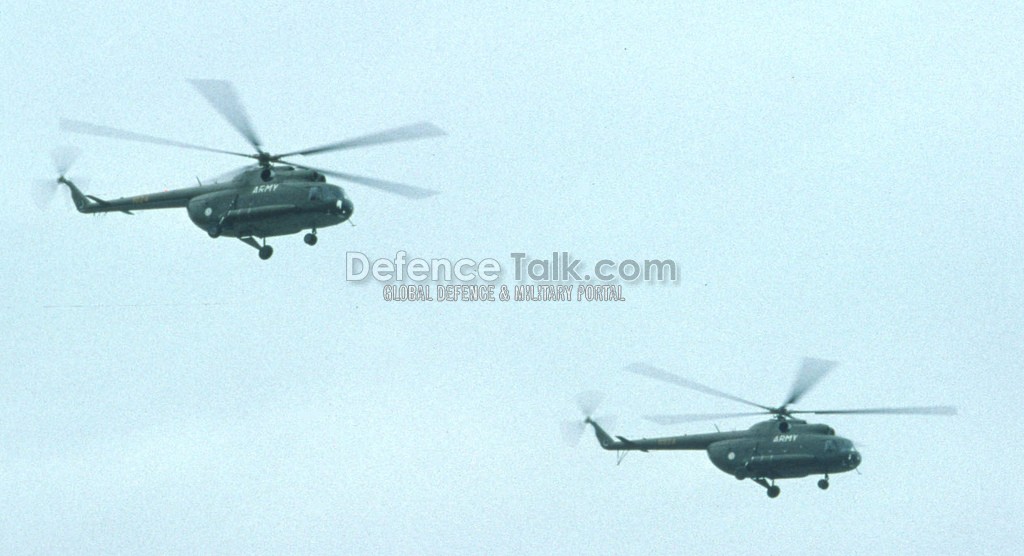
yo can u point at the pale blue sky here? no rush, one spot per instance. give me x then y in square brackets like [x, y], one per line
[839, 181]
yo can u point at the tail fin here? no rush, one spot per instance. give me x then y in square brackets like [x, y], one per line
[82, 203]
[607, 442]
[89, 203]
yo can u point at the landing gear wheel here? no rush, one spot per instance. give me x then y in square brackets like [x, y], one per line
[266, 251]
[310, 239]
[773, 491]
[823, 484]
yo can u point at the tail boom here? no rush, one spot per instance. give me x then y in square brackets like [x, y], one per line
[685, 442]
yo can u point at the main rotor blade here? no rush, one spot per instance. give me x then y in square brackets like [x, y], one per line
[222, 96]
[656, 373]
[923, 410]
[230, 175]
[810, 373]
[421, 130]
[409, 191]
[692, 417]
[76, 126]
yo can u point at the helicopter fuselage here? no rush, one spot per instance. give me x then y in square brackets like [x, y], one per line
[253, 204]
[784, 455]
[270, 209]
[775, 449]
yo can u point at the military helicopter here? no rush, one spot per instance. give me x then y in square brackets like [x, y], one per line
[783, 447]
[273, 197]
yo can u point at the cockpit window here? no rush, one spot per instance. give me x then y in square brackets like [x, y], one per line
[315, 194]
[830, 446]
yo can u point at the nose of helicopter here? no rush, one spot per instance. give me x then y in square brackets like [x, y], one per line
[852, 459]
[344, 207]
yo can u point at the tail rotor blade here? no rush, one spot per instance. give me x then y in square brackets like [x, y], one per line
[64, 157]
[589, 401]
[572, 432]
[43, 192]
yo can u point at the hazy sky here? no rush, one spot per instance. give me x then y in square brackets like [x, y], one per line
[840, 181]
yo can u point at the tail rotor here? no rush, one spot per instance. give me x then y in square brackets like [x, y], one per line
[63, 158]
[587, 403]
